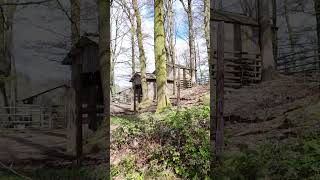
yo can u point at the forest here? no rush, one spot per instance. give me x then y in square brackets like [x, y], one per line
[161, 89]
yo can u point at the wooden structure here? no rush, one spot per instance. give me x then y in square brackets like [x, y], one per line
[124, 96]
[86, 89]
[245, 66]
[236, 67]
[31, 99]
[84, 61]
[32, 116]
[181, 82]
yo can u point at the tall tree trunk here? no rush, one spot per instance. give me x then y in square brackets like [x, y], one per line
[142, 56]
[133, 51]
[4, 65]
[75, 18]
[266, 40]
[206, 14]
[275, 30]
[188, 9]
[104, 54]
[74, 146]
[290, 36]
[160, 56]
[317, 10]
[8, 48]
[131, 19]
[172, 50]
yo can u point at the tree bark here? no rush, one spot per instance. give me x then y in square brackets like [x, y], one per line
[172, 50]
[73, 119]
[266, 40]
[104, 54]
[188, 10]
[275, 30]
[4, 64]
[131, 19]
[290, 36]
[207, 26]
[317, 10]
[75, 21]
[160, 56]
[142, 56]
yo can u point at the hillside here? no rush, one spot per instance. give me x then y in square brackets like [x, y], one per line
[284, 112]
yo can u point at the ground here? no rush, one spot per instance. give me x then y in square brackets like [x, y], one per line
[285, 108]
[19, 147]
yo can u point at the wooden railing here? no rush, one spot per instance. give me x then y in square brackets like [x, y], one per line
[31, 116]
[241, 68]
[184, 84]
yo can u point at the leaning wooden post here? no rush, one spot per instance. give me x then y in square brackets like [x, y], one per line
[134, 98]
[212, 91]
[78, 112]
[266, 39]
[237, 46]
[219, 87]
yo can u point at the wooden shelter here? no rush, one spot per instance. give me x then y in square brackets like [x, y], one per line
[184, 82]
[85, 74]
[250, 59]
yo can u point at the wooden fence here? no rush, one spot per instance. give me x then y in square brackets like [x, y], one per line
[32, 117]
[241, 68]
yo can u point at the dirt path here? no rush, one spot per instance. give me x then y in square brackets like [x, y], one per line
[31, 145]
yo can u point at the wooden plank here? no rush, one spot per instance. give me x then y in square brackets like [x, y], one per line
[219, 132]
[242, 59]
[233, 18]
[257, 53]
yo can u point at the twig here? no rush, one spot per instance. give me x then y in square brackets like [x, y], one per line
[13, 171]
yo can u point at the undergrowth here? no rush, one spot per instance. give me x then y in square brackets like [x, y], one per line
[182, 150]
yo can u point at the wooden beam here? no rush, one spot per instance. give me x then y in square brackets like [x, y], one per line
[233, 18]
[219, 123]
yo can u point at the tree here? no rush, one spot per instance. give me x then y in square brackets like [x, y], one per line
[131, 18]
[75, 21]
[74, 145]
[4, 65]
[118, 34]
[171, 47]
[188, 9]
[206, 14]
[266, 40]
[317, 10]
[142, 56]
[7, 61]
[104, 54]
[290, 35]
[160, 56]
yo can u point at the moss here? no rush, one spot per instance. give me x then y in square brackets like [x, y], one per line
[313, 112]
[144, 104]
[205, 99]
